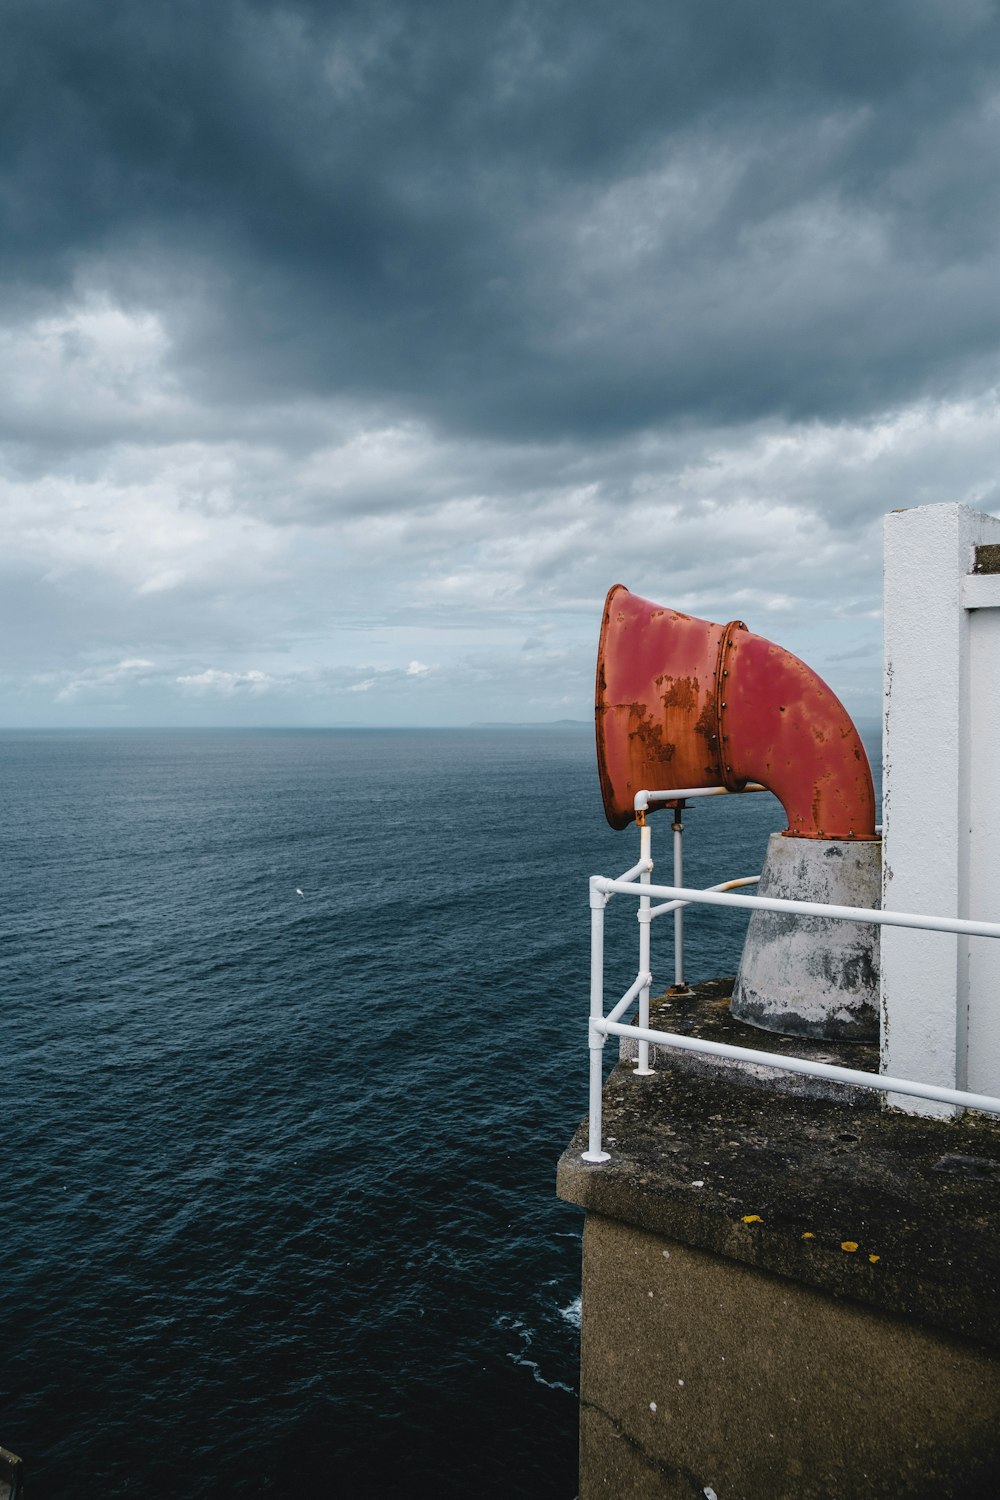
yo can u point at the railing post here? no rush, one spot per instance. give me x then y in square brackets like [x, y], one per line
[679, 983]
[678, 831]
[643, 1069]
[598, 901]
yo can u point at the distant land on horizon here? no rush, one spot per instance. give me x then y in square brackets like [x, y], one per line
[285, 728]
[531, 724]
[869, 726]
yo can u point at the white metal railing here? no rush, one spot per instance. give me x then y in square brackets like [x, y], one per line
[673, 898]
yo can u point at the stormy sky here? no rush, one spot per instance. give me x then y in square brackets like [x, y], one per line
[350, 352]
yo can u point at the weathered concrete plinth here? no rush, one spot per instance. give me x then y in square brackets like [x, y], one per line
[813, 976]
[785, 1295]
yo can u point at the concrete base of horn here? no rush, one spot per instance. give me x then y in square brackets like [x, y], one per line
[814, 976]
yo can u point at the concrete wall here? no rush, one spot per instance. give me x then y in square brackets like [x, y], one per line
[701, 1377]
[940, 1013]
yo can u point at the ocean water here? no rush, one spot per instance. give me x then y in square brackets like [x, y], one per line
[278, 1168]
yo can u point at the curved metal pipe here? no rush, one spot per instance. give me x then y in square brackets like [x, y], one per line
[683, 702]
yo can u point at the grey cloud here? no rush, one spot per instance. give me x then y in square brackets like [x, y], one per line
[396, 201]
[339, 338]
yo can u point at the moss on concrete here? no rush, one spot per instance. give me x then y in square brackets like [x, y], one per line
[897, 1212]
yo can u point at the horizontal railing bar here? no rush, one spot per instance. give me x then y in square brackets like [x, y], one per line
[802, 1065]
[961, 925]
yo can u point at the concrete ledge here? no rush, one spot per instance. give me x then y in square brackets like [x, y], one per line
[780, 1182]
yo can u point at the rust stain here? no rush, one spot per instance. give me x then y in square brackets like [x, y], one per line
[647, 736]
[706, 723]
[682, 694]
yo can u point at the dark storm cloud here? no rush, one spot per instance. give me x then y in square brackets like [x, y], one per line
[527, 220]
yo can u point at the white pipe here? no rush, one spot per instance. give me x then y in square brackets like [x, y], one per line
[643, 867]
[596, 1037]
[812, 1069]
[629, 995]
[642, 1068]
[726, 885]
[813, 909]
[642, 799]
[678, 828]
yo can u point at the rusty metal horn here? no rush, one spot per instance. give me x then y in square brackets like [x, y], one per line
[683, 702]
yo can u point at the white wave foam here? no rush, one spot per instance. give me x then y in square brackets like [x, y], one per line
[526, 1335]
[573, 1312]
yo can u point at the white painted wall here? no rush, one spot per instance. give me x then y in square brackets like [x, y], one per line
[940, 995]
[983, 822]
